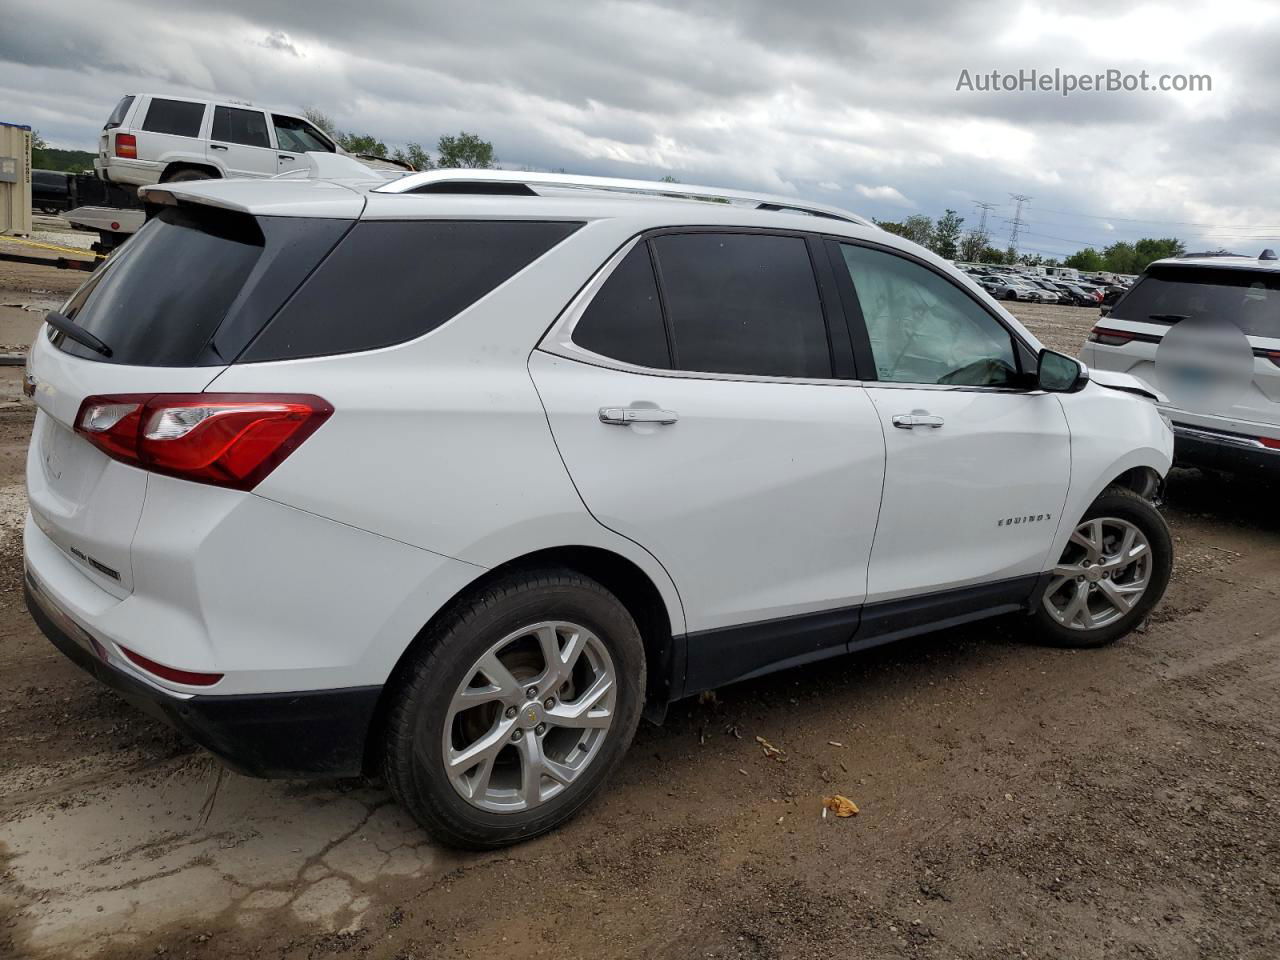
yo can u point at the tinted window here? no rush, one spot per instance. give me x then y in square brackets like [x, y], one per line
[923, 329]
[388, 282]
[298, 135]
[1250, 299]
[743, 303]
[178, 117]
[240, 126]
[162, 296]
[118, 114]
[624, 319]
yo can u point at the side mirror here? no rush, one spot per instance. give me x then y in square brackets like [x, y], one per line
[1058, 373]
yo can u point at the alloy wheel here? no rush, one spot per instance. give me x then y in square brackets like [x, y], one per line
[1104, 571]
[530, 717]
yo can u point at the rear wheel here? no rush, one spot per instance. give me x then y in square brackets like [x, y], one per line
[515, 709]
[1114, 569]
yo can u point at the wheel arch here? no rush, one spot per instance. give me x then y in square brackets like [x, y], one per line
[177, 166]
[621, 576]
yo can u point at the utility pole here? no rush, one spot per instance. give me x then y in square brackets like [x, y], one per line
[1017, 223]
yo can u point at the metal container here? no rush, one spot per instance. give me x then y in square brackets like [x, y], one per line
[15, 179]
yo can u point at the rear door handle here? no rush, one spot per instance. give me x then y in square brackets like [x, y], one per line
[622, 416]
[286, 156]
[909, 421]
[216, 146]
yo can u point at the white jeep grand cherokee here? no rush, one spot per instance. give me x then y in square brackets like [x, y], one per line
[453, 477]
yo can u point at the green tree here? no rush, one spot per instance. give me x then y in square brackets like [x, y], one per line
[362, 144]
[945, 241]
[1148, 250]
[917, 228]
[974, 242]
[465, 150]
[415, 156]
[992, 255]
[1087, 260]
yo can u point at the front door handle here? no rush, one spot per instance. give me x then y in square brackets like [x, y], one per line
[622, 416]
[286, 156]
[909, 421]
[216, 146]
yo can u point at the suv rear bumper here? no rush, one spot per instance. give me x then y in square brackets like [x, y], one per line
[1201, 447]
[316, 733]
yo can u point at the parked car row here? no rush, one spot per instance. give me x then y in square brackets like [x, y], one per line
[1008, 284]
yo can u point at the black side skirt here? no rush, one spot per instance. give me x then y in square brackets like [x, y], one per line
[714, 658]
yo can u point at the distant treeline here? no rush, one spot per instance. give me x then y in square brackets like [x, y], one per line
[72, 161]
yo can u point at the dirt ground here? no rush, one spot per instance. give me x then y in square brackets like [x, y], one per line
[1016, 802]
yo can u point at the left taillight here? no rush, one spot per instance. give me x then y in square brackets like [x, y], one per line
[227, 439]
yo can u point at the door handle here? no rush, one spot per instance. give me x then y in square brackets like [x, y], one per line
[286, 156]
[622, 416]
[216, 146]
[909, 421]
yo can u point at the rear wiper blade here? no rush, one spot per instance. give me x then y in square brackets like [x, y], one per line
[1169, 317]
[68, 327]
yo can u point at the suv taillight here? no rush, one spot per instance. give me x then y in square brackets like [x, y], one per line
[1111, 338]
[127, 146]
[227, 439]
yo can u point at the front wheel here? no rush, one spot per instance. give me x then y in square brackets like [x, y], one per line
[515, 709]
[1114, 569]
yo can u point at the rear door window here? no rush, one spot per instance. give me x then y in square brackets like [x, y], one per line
[624, 319]
[392, 281]
[1249, 299]
[249, 127]
[743, 303]
[181, 118]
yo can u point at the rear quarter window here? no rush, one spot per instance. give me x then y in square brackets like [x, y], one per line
[388, 282]
[180, 118]
[119, 113]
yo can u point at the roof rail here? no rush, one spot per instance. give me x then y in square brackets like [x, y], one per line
[502, 181]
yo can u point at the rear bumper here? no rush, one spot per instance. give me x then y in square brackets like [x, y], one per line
[1199, 447]
[316, 733]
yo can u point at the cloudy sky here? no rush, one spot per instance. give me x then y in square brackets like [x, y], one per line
[850, 102]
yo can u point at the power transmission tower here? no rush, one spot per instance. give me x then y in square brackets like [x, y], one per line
[1017, 223]
[986, 208]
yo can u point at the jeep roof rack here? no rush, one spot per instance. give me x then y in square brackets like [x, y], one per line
[515, 182]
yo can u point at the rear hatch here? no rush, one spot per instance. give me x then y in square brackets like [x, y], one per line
[174, 306]
[1168, 295]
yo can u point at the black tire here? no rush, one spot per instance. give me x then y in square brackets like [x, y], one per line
[182, 176]
[1011, 295]
[1126, 505]
[413, 762]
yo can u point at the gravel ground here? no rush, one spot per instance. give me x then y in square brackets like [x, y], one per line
[1015, 801]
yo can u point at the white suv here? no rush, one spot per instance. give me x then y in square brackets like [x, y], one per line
[1206, 331]
[151, 139]
[454, 477]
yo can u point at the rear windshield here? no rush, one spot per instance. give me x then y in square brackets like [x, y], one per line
[118, 114]
[160, 299]
[1250, 299]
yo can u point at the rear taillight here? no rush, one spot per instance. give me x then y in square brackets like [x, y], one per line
[127, 146]
[227, 439]
[1272, 355]
[1269, 443]
[1111, 338]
